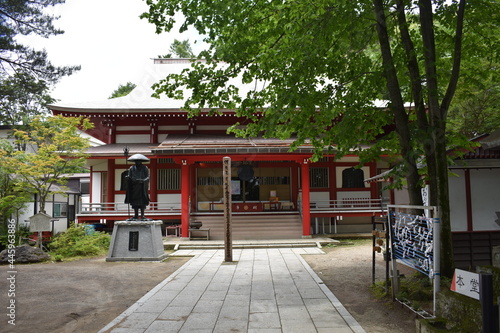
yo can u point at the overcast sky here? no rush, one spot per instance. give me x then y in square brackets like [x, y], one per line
[109, 41]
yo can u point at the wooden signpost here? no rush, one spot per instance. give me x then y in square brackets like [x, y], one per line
[226, 175]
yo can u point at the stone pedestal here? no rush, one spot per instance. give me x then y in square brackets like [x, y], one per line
[136, 241]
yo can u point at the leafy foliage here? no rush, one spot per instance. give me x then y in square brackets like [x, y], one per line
[325, 63]
[77, 242]
[476, 112]
[26, 74]
[53, 147]
[21, 235]
[123, 90]
[25, 17]
[23, 97]
[181, 49]
[11, 200]
[314, 63]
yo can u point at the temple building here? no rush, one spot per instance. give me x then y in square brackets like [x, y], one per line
[275, 193]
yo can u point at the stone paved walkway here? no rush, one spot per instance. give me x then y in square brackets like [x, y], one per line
[262, 290]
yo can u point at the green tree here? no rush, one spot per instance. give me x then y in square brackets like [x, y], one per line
[22, 97]
[25, 17]
[181, 49]
[476, 114]
[325, 62]
[26, 74]
[123, 90]
[474, 110]
[12, 201]
[54, 148]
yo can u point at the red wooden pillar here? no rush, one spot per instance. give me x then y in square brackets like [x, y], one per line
[153, 183]
[294, 177]
[110, 195]
[306, 208]
[185, 194]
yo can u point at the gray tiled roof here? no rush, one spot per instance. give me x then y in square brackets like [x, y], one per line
[116, 149]
[201, 144]
[206, 144]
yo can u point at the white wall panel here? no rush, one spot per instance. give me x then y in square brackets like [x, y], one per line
[458, 205]
[485, 193]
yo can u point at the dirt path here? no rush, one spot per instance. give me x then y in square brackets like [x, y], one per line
[79, 296]
[85, 295]
[347, 271]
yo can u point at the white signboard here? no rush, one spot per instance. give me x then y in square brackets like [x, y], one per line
[40, 222]
[465, 283]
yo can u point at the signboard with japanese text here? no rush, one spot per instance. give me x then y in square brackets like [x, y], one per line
[413, 241]
[465, 283]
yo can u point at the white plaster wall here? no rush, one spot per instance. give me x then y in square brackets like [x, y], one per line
[96, 187]
[169, 200]
[401, 197]
[60, 225]
[103, 166]
[458, 208]
[485, 193]
[120, 202]
[62, 222]
[319, 196]
[24, 215]
[353, 194]
[135, 138]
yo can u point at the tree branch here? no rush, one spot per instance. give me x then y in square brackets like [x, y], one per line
[457, 57]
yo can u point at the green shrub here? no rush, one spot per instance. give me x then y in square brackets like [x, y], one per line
[22, 234]
[77, 242]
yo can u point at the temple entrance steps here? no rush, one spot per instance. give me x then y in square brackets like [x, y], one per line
[256, 244]
[255, 226]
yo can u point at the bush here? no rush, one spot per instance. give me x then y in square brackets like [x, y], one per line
[21, 234]
[77, 242]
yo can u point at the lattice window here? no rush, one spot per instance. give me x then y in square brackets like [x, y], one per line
[318, 177]
[210, 181]
[166, 160]
[169, 179]
[278, 180]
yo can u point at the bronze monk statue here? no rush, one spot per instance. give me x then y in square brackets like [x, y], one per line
[138, 186]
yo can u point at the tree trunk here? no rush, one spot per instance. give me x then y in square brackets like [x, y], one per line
[437, 114]
[397, 107]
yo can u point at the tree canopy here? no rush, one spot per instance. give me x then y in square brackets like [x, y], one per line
[26, 74]
[181, 49]
[53, 148]
[25, 17]
[123, 90]
[23, 97]
[326, 62]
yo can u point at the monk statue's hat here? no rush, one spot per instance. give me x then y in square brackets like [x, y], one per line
[138, 157]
